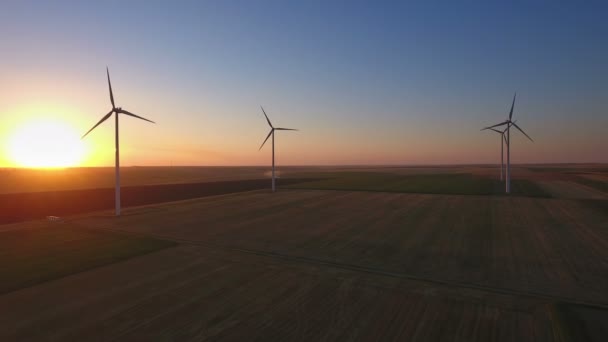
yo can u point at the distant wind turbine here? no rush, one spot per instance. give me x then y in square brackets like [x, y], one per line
[116, 111]
[272, 129]
[503, 141]
[509, 123]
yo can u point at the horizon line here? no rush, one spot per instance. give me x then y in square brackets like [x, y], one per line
[304, 165]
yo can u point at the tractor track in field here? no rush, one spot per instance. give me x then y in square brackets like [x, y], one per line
[375, 271]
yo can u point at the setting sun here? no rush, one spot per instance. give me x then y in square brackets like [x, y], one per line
[46, 144]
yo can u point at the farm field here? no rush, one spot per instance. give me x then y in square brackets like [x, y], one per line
[307, 264]
[38, 180]
[200, 293]
[442, 183]
[571, 189]
[85, 190]
[24, 206]
[597, 182]
[43, 251]
[533, 245]
[476, 179]
[589, 182]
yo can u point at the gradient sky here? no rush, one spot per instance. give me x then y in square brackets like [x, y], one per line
[365, 82]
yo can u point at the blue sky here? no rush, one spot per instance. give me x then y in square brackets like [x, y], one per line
[367, 82]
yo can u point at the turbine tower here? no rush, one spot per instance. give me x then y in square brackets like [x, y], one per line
[503, 141]
[509, 123]
[115, 110]
[272, 129]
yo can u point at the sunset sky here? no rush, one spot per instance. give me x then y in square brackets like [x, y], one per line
[365, 82]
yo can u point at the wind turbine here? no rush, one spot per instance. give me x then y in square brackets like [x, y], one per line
[503, 141]
[115, 110]
[509, 123]
[272, 129]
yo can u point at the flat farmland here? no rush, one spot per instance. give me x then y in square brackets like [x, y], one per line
[40, 180]
[384, 263]
[201, 293]
[429, 183]
[15, 207]
[571, 189]
[44, 251]
[530, 245]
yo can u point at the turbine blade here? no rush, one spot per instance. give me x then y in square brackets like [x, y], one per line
[521, 130]
[122, 111]
[99, 123]
[495, 130]
[286, 129]
[512, 105]
[500, 124]
[268, 136]
[110, 86]
[505, 138]
[267, 119]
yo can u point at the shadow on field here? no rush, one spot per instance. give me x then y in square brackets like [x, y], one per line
[24, 206]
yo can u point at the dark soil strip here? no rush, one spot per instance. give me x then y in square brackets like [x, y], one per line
[26, 206]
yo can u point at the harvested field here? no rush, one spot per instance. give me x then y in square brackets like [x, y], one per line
[198, 293]
[571, 190]
[444, 183]
[582, 323]
[318, 265]
[553, 247]
[601, 206]
[24, 206]
[577, 167]
[44, 251]
[597, 182]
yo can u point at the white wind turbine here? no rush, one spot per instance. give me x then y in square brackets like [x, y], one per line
[272, 129]
[116, 111]
[503, 141]
[509, 123]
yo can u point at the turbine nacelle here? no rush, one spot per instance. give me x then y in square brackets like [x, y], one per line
[509, 122]
[272, 128]
[117, 110]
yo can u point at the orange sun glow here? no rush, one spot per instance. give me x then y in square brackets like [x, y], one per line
[46, 144]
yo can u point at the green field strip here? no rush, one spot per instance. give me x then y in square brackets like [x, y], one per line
[30, 256]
